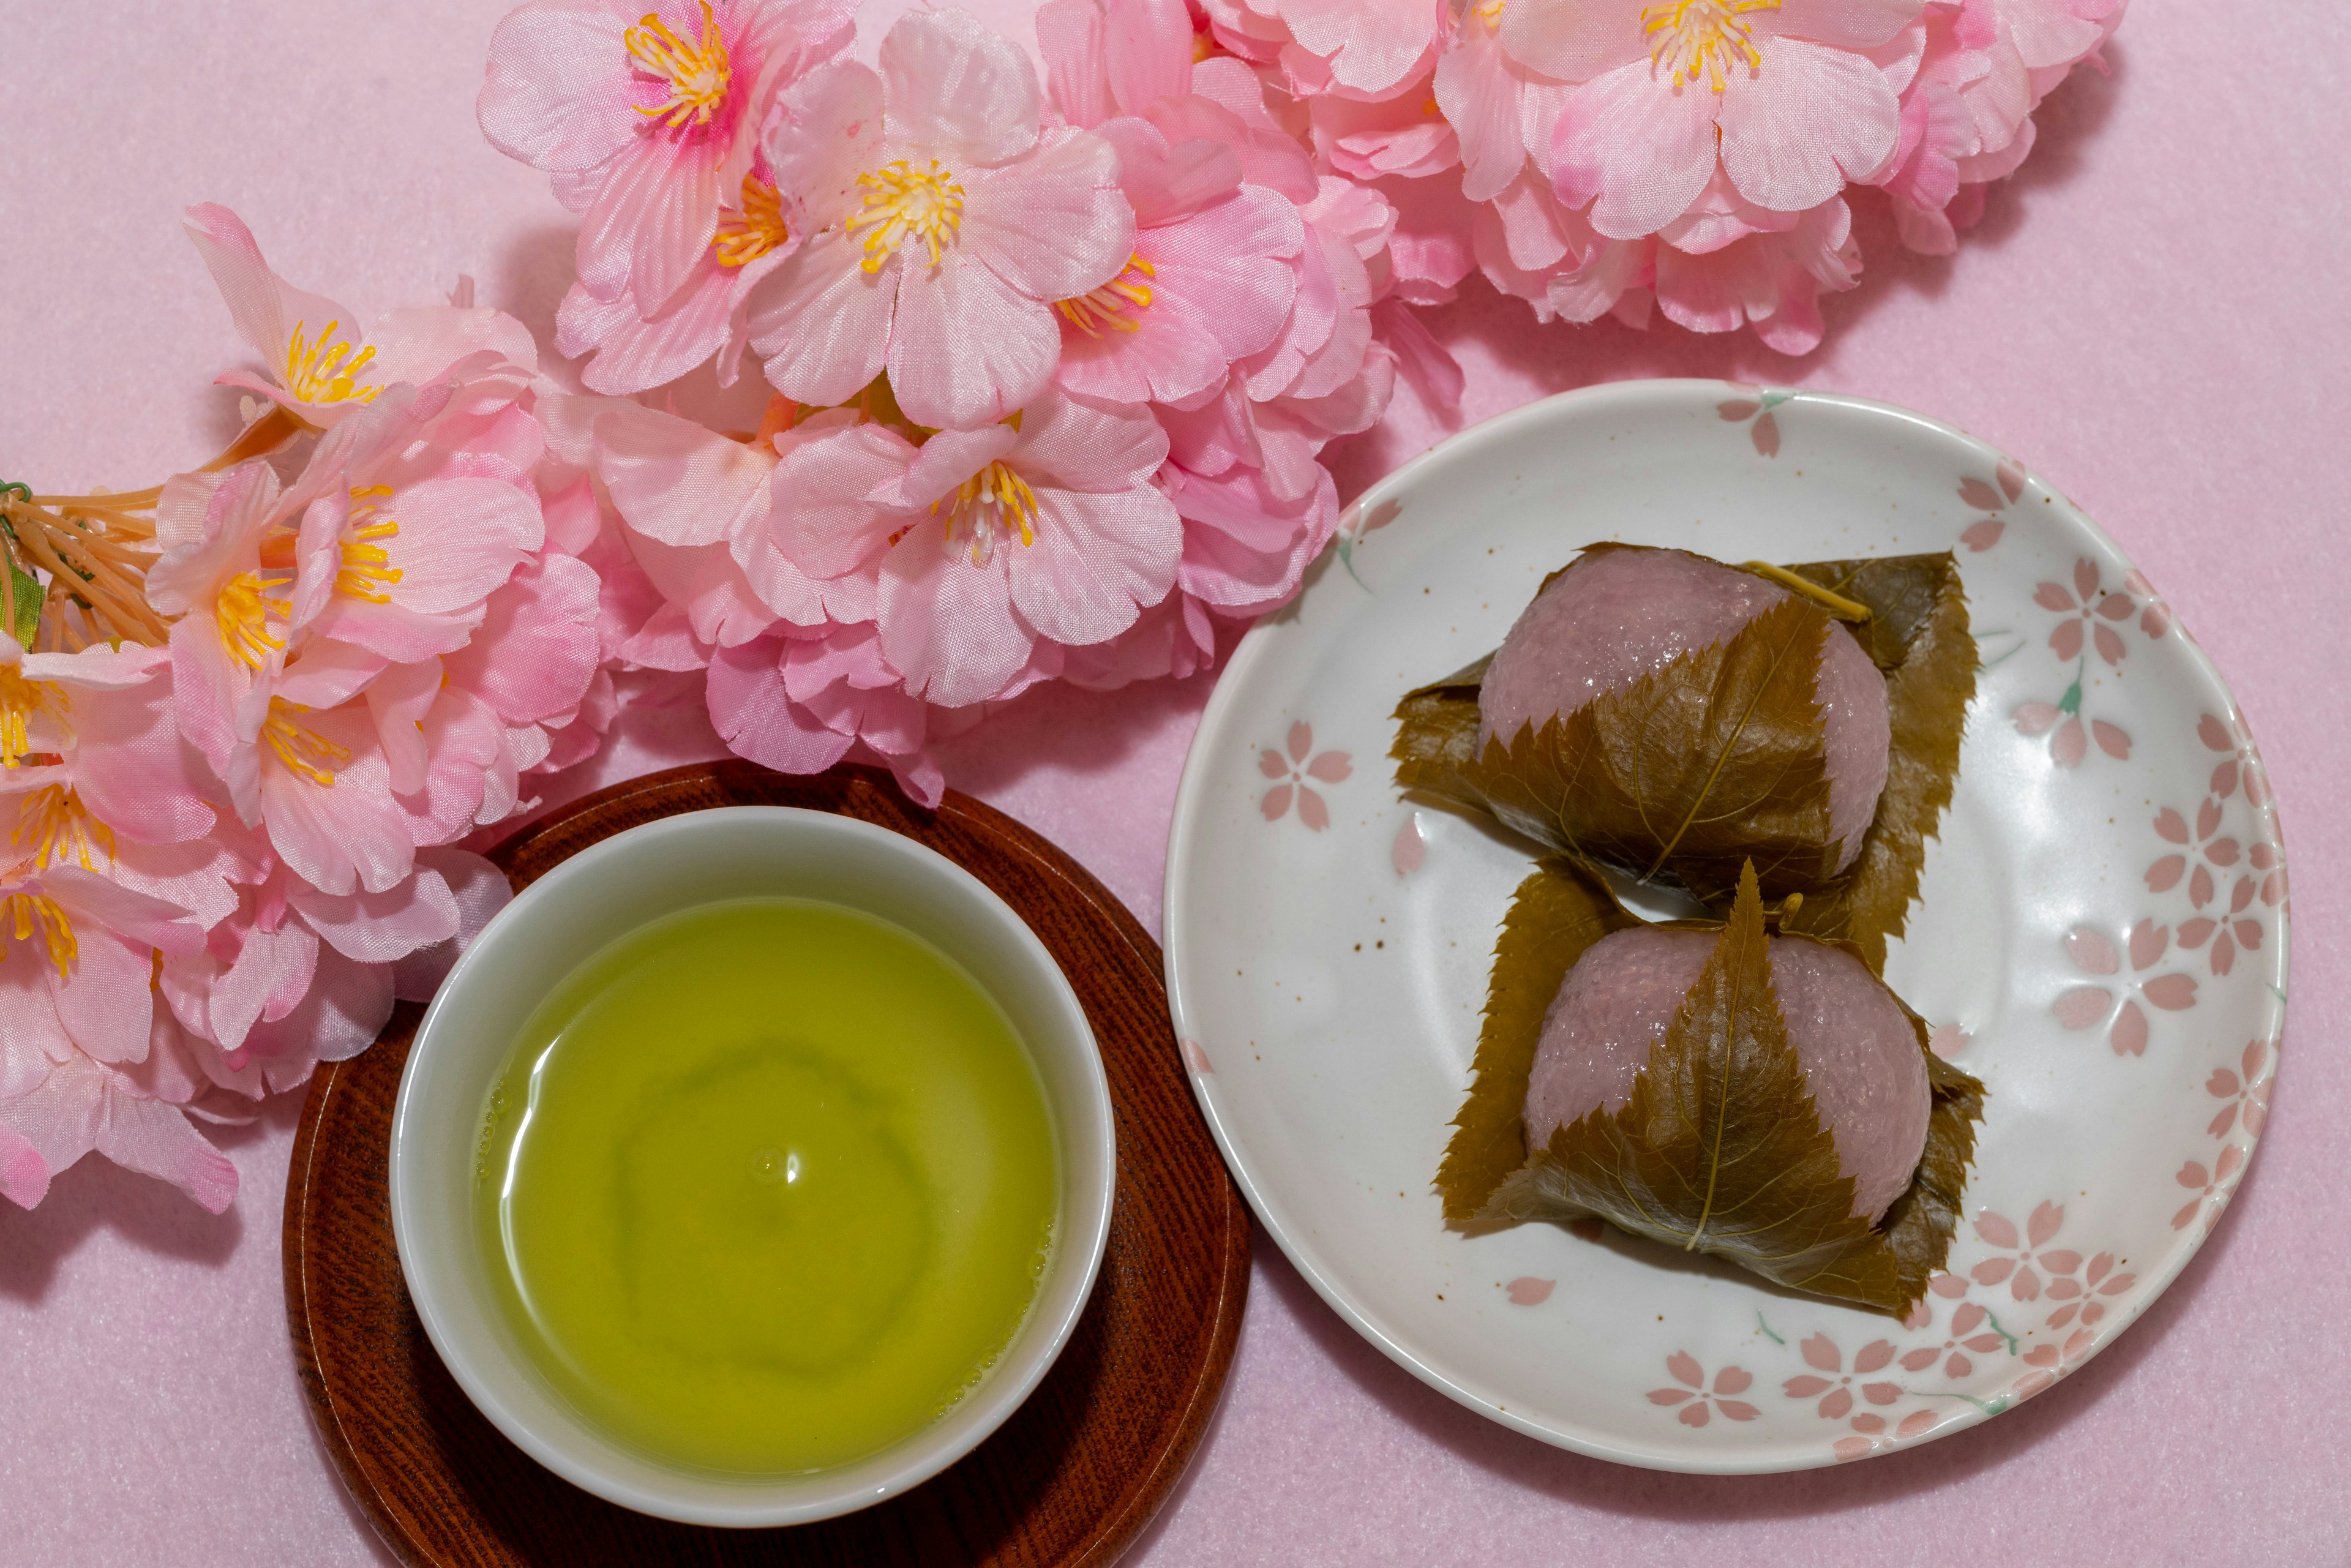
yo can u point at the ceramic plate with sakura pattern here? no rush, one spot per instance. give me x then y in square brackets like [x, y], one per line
[2100, 936]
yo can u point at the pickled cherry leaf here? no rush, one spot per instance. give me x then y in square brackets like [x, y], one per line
[1919, 636]
[1719, 1149]
[1714, 758]
[1556, 914]
[1682, 789]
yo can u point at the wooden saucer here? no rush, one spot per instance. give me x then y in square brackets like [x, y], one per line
[1071, 1479]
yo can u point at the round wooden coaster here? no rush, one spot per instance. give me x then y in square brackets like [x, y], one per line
[1071, 1479]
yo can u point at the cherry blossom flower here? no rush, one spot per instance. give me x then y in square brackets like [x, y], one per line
[297, 975]
[1004, 538]
[90, 741]
[1694, 1399]
[647, 114]
[1214, 271]
[2088, 1007]
[1293, 771]
[1351, 48]
[2216, 1183]
[2243, 1092]
[800, 701]
[709, 316]
[77, 957]
[939, 225]
[1789, 98]
[1836, 1390]
[322, 366]
[1965, 1319]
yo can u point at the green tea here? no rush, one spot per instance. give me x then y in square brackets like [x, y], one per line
[766, 1187]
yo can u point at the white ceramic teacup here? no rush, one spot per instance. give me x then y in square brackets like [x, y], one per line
[607, 891]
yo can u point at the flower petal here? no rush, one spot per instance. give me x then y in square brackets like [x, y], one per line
[1807, 121]
[956, 90]
[967, 348]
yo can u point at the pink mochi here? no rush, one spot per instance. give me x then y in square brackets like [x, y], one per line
[1861, 1058]
[1613, 617]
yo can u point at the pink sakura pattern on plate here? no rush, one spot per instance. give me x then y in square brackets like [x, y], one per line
[1967, 1332]
[2214, 1185]
[1409, 850]
[2244, 1091]
[2155, 619]
[1872, 1430]
[2023, 1259]
[2080, 1297]
[2006, 485]
[1526, 1290]
[2053, 1361]
[1294, 770]
[1194, 1057]
[2089, 615]
[1836, 1390]
[1694, 1397]
[2241, 763]
[2207, 850]
[2082, 607]
[2088, 1007]
[1757, 405]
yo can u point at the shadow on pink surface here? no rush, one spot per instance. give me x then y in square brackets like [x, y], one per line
[96, 1195]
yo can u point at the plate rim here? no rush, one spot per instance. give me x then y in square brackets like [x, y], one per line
[1597, 401]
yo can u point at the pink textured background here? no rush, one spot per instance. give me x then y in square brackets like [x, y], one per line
[2151, 315]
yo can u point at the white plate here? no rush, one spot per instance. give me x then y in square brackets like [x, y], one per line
[2100, 936]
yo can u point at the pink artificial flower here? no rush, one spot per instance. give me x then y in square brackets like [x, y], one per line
[76, 1007]
[1501, 111]
[709, 316]
[701, 511]
[295, 975]
[1211, 280]
[799, 701]
[648, 115]
[1792, 99]
[1356, 49]
[391, 540]
[1718, 270]
[322, 367]
[102, 722]
[938, 227]
[988, 541]
[1408, 135]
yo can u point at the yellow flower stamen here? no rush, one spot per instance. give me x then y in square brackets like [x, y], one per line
[249, 602]
[996, 494]
[1703, 36]
[315, 373]
[1108, 306]
[367, 565]
[697, 73]
[755, 231]
[25, 914]
[57, 825]
[904, 202]
[303, 751]
[21, 702]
